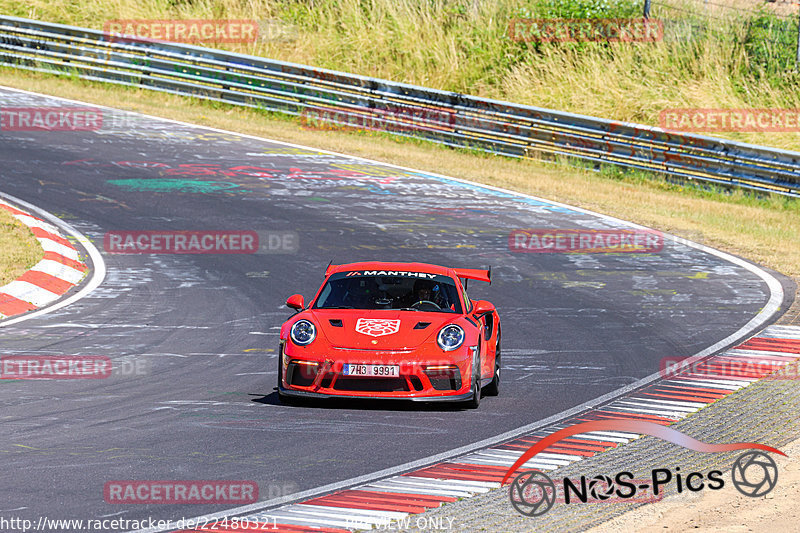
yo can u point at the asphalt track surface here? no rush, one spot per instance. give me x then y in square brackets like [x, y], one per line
[204, 328]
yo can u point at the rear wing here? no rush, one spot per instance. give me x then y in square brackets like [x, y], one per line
[475, 273]
[466, 273]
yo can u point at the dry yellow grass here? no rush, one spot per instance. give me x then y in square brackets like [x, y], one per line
[767, 232]
[19, 249]
[464, 46]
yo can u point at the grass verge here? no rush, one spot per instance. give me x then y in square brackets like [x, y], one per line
[19, 249]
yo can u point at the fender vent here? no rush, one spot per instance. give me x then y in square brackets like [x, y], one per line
[422, 325]
[336, 322]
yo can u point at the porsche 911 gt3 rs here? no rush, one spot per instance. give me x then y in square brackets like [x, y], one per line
[392, 330]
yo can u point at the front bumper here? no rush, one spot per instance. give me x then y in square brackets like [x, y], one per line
[421, 377]
[319, 395]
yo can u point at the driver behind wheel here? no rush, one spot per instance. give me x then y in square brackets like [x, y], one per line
[425, 292]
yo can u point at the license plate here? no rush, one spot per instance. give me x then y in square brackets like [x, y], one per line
[381, 371]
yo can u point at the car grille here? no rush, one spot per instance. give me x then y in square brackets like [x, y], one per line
[445, 384]
[300, 375]
[370, 385]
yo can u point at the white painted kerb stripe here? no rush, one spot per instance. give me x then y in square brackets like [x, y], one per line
[30, 293]
[36, 223]
[59, 270]
[50, 245]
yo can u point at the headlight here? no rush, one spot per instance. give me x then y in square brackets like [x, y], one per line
[450, 337]
[303, 332]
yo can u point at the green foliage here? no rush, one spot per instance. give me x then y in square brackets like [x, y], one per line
[770, 45]
[591, 9]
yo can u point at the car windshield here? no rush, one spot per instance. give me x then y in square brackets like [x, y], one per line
[409, 291]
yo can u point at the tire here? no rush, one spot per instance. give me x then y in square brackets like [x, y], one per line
[280, 370]
[493, 388]
[475, 401]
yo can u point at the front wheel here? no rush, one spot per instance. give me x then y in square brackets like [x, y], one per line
[493, 388]
[475, 401]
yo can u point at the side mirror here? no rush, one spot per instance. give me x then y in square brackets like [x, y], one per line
[482, 307]
[295, 301]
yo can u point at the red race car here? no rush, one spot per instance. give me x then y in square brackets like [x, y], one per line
[392, 330]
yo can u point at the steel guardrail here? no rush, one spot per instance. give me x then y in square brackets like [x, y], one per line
[351, 100]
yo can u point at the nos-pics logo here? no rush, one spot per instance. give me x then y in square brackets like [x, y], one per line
[533, 493]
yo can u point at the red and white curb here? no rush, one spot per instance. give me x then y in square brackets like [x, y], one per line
[60, 270]
[393, 502]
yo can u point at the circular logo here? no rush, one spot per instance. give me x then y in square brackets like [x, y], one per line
[532, 493]
[601, 487]
[754, 474]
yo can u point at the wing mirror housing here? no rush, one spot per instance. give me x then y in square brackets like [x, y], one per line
[482, 307]
[296, 302]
